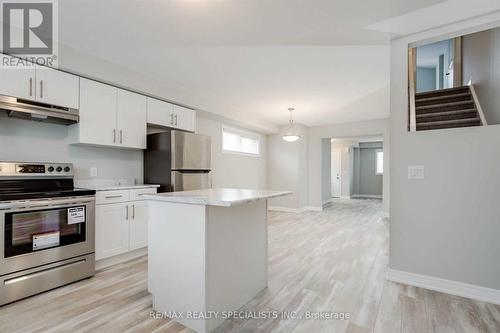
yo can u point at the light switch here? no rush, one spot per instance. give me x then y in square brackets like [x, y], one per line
[416, 172]
[93, 172]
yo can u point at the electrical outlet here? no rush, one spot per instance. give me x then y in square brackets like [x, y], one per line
[416, 172]
[93, 172]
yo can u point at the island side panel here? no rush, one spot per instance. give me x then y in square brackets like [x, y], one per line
[176, 259]
[236, 255]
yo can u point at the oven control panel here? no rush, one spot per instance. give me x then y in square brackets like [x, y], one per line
[9, 169]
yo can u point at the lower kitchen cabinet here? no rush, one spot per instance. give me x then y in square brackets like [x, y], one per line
[111, 230]
[120, 226]
[138, 225]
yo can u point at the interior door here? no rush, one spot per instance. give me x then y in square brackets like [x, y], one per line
[131, 119]
[336, 173]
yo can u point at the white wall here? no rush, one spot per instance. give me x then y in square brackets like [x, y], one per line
[234, 170]
[446, 225]
[24, 140]
[287, 169]
[348, 130]
[326, 170]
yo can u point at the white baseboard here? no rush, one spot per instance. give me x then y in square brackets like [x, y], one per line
[367, 196]
[103, 263]
[294, 210]
[286, 209]
[446, 286]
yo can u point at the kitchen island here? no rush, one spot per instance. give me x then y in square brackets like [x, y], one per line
[207, 252]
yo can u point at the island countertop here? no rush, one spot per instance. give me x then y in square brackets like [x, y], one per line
[224, 197]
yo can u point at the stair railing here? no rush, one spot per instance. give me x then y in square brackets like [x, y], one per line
[412, 82]
[478, 105]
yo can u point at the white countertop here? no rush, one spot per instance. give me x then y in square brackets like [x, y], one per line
[224, 197]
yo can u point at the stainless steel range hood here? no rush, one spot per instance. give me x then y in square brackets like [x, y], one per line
[20, 108]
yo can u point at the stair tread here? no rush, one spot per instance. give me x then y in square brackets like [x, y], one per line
[440, 91]
[433, 106]
[427, 99]
[445, 113]
[447, 122]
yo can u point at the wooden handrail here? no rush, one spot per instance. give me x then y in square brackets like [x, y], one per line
[412, 61]
[478, 105]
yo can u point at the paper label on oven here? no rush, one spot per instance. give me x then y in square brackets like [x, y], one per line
[48, 239]
[76, 215]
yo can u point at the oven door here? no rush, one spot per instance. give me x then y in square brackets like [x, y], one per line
[39, 232]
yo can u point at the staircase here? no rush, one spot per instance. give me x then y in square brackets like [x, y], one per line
[447, 108]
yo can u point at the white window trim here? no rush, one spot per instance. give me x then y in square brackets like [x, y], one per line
[243, 133]
[376, 162]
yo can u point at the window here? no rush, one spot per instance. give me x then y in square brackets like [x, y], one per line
[380, 162]
[237, 141]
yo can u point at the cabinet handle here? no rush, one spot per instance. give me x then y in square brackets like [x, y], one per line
[133, 212]
[41, 88]
[113, 196]
[126, 209]
[114, 136]
[121, 136]
[31, 86]
[171, 119]
[175, 120]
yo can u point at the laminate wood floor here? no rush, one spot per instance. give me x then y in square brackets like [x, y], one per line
[330, 261]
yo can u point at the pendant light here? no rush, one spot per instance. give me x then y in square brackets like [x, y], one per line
[291, 134]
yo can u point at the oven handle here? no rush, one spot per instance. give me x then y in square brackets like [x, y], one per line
[46, 203]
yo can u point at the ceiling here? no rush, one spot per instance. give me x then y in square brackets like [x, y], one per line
[247, 60]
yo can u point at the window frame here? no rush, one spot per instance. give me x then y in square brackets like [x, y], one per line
[240, 133]
[376, 162]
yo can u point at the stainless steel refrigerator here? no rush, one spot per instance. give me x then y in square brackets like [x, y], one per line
[178, 161]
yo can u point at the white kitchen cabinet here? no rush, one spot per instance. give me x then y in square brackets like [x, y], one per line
[138, 225]
[97, 123]
[121, 221]
[131, 119]
[110, 116]
[159, 112]
[184, 118]
[57, 88]
[111, 230]
[164, 114]
[19, 81]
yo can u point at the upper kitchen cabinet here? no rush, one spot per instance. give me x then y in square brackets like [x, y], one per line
[110, 117]
[131, 119]
[164, 114]
[40, 84]
[160, 112]
[18, 81]
[184, 118]
[57, 88]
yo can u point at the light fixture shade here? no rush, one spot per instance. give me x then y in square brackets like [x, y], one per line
[291, 137]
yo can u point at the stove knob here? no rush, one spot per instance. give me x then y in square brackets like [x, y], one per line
[66, 169]
[59, 169]
[50, 169]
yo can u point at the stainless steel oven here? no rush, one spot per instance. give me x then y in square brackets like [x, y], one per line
[46, 235]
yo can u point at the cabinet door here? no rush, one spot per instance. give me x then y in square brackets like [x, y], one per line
[57, 88]
[97, 113]
[131, 119]
[184, 118]
[17, 81]
[138, 225]
[111, 230]
[159, 112]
